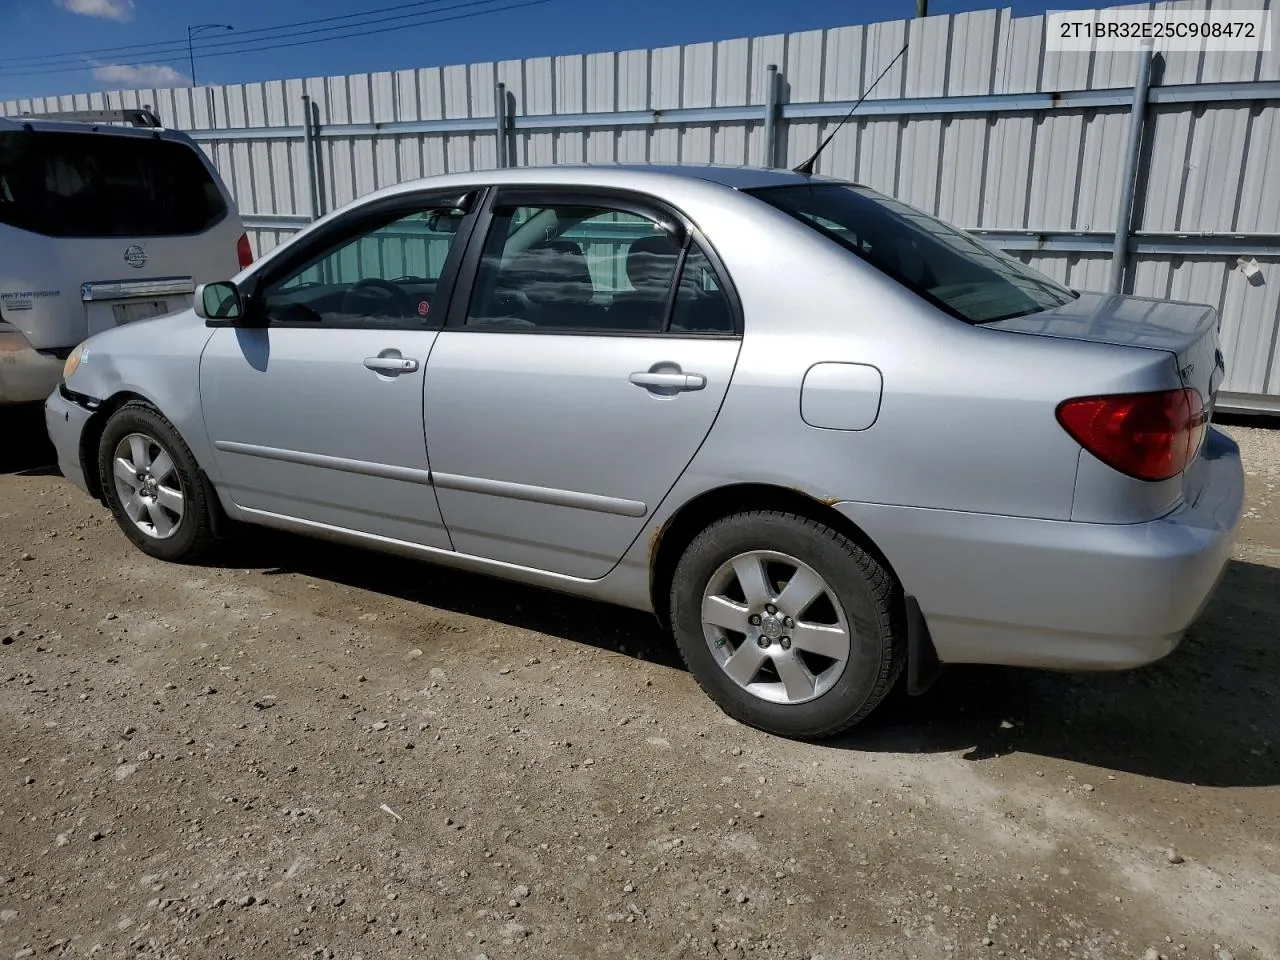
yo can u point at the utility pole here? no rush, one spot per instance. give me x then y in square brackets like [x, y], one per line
[196, 30]
[922, 8]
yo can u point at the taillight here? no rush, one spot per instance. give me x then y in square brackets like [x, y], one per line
[244, 251]
[1151, 436]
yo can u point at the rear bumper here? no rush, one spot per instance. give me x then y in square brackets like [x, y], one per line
[1059, 594]
[26, 374]
[65, 422]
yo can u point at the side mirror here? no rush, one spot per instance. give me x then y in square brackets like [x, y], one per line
[219, 304]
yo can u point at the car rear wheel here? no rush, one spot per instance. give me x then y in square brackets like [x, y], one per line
[152, 484]
[786, 623]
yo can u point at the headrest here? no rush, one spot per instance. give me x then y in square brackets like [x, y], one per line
[651, 261]
[554, 272]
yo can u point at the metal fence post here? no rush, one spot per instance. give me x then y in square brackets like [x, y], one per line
[500, 117]
[1124, 214]
[309, 148]
[771, 115]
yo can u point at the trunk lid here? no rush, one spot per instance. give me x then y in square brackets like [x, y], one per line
[1187, 331]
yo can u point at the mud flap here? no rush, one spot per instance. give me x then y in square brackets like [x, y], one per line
[223, 527]
[923, 665]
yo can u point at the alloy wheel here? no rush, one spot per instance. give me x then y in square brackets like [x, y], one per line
[775, 627]
[148, 485]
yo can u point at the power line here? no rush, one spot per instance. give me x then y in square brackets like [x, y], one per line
[173, 45]
[151, 61]
[342, 31]
[173, 52]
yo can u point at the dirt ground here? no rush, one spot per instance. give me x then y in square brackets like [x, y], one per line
[308, 751]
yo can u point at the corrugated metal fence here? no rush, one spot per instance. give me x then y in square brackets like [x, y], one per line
[976, 124]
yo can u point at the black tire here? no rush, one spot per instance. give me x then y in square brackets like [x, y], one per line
[863, 587]
[193, 534]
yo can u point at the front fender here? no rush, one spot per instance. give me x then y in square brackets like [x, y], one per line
[157, 361]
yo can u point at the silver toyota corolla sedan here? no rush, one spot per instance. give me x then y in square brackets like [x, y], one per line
[828, 439]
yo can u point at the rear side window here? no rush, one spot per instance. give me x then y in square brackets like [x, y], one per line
[100, 185]
[944, 265]
[701, 305]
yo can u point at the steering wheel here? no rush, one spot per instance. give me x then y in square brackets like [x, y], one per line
[374, 296]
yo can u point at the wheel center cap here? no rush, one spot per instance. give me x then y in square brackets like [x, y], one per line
[771, 627]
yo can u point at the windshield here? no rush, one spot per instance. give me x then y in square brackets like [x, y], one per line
[946, 266]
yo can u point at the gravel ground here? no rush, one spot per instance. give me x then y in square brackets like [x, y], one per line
[1261, 449]
[307, 751]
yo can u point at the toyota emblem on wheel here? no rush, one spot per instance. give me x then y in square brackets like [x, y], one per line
[135, 256]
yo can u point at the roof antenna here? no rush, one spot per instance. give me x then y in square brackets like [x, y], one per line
[806, 168]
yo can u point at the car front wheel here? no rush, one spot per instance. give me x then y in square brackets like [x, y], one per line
[786, 623]
[152, 484]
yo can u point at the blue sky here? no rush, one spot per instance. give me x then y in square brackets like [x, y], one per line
[45, 40]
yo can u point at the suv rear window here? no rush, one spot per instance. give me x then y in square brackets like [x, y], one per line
[100, 185]
[944, 265]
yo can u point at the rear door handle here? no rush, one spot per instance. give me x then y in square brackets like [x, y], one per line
[668, 381]
[391, 364]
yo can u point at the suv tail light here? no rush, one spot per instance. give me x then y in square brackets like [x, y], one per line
[244, 251]
[1151, 436]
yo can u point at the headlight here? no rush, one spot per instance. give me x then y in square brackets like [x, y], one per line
[76, 357]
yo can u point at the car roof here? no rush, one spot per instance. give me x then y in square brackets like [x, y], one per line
[14, 124]
[738, 177]
[645, 177]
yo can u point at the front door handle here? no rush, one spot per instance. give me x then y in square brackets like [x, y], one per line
[391, 365]
[668, 381]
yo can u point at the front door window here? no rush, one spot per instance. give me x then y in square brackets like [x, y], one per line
[387, 277]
